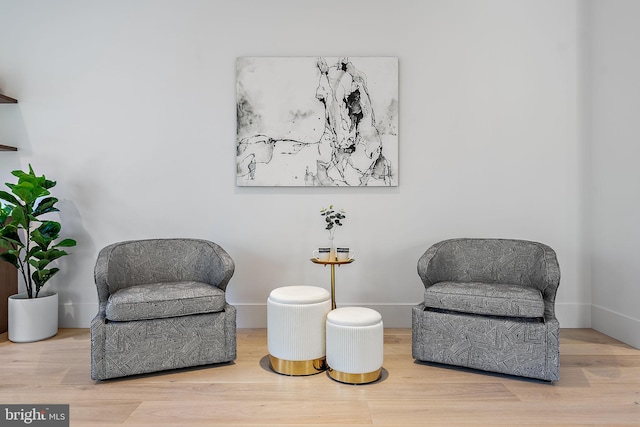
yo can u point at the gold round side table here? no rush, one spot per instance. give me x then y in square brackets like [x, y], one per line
[333, 275]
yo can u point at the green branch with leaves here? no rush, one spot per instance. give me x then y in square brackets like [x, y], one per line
[332, 217]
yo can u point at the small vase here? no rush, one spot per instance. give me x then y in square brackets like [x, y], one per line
[332, 246]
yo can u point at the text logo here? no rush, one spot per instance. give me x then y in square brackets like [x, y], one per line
[34, 415]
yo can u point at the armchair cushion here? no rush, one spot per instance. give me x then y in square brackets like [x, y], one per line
[162, 300]
[493, 299]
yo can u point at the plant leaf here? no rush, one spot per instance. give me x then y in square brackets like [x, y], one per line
[39, 264]
[10, 258]
[40, 277]
[43, 241]
[66, 243]
[28, 191]
[19, 216]
[7, 197]
[50, 255]
[49, 229]
[46, 205]
[9, 237]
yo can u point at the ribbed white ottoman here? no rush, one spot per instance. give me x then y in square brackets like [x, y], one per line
[296, 320]
[355, 345]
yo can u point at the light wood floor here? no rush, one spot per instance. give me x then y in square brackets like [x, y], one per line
[600, 385]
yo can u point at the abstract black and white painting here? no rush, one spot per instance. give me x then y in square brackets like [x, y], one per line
[309, 121]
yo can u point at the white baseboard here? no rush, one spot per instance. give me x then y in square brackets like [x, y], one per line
[393, 315]
[616, 325]
[251, 315]
[248, 315]
[399, 315]
[74, 315]
[573, 315]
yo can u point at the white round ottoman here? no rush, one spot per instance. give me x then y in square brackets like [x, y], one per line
[296, 320]
[355, 345]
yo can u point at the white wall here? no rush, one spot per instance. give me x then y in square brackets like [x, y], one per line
[614, 83]
[130, 105]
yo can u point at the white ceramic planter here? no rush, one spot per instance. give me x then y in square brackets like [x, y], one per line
[32, 319]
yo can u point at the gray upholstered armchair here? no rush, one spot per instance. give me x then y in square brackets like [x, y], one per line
[162, 305]
[489, 305]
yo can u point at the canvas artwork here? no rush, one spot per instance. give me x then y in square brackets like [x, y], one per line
[309, 121]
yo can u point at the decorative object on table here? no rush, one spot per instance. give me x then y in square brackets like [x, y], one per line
[322, 254]
[296, 317]
[344, 254]
[30, 244]
[311, 121]
[162, 305]
[489, 305]
[332, 220]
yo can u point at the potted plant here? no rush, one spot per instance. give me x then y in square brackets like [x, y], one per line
[30, 244]
[332, 219]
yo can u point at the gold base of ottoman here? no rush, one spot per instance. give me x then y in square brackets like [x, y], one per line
[298, 367]
[365, 378]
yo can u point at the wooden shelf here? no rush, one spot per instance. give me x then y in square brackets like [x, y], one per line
[4, 99]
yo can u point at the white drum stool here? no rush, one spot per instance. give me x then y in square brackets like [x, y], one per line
[355, 345]
[296, 321]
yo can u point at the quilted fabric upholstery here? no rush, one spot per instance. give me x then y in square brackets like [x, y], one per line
[160, 300]
[490, 305]
[493, 299]
[162, 305]
[120, 349]
[490, 261]
[497, 344]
